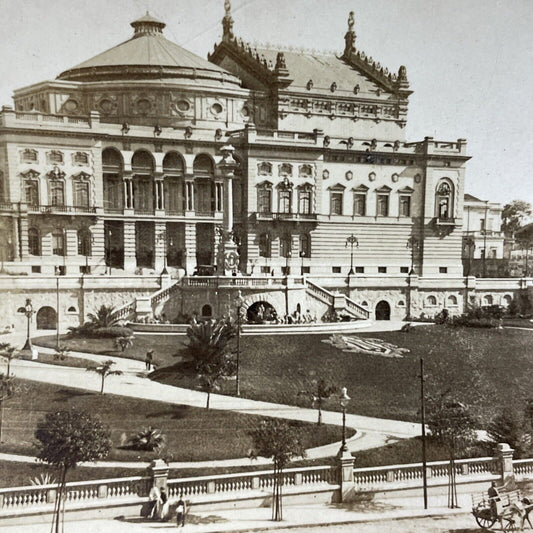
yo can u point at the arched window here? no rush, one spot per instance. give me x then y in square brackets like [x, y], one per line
[58, 242]
[206, 310]
[507, 299]
[173, 169]
[203, 166]
[142, 165]
[142, 162]
[111, 161]
[444, 200]
[431, 300]
[113, 186]
[71, 309]
[487, 300]
[265, 242]
[34, 241]
[85, 242]
[285, 245]
[305, 245]
[452, 300]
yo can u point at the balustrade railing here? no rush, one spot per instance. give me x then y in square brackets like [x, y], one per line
[357, 309]
[124, 311]
[47, 209]
[523, 467]
[163, 294]
[321, 292]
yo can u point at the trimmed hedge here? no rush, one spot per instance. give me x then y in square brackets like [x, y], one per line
[109, 332]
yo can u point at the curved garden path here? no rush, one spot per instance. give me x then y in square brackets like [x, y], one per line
[371, 432]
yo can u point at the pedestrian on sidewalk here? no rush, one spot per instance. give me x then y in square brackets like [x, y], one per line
[180, 512]
[149, 359]
[154, 497]
[163, 504]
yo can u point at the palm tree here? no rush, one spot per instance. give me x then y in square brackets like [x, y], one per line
[104, 371]
[7, 351]
[211, 351]
[103, 318]
[123, 342]
[61, 352]
[148, 439]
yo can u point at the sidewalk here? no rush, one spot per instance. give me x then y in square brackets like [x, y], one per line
[259, 519]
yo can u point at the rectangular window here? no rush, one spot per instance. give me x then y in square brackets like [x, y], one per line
[404, 270]
[304, 202]
[405, 206]
[284, 201]
[265, 270]
[58, 243]
[359, 205]
[443, 270]
[36, 269]
[306, 270]
[359, 270]
[85, 269]
[81, 194]
[57, 193]
[382, 270]
[383, 205]
[264, 204]
[336, 203]
[113, 192]
[336, 270]
[32, 192]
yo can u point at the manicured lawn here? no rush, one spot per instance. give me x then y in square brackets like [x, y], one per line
[277, 368]
[164, 346]
[192, 433]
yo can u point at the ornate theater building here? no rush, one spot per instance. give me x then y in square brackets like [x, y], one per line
[284, 173]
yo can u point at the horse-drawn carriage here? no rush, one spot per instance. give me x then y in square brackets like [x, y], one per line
[510, 509]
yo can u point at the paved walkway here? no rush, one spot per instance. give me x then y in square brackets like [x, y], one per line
[311, 516]
[371, 432]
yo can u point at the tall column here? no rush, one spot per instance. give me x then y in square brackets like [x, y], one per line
[23, 246]
[130, 262]
[190, 247]
[160, 245]
[98, 247]
[228, 257]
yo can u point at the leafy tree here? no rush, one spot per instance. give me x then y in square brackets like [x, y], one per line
[66, 438]
[9, 352]
[103, 318]
[123, 342]
[277, 440]
[211, 349]
[8, 389]
[148, 439]
[514, 214]
[512, 427]
[320, 391]
[104, 370]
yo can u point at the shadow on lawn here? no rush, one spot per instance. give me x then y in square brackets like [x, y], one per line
[67, 394]
[176, 413]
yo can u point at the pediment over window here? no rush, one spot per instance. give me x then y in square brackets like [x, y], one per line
[265, 184]
[406, 190]
[285, 184]
[30, 174]
[384, 189]
[360, 188]
[337, 187]
[81, 176]
[306, 186]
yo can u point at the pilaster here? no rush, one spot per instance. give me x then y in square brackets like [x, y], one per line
[190, 247]
[130, 262]
[160, 245]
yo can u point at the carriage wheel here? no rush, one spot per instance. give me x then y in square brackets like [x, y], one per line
[485, 522]
[511, 524]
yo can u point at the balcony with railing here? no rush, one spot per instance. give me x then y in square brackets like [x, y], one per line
[61, 209]
[291, 217]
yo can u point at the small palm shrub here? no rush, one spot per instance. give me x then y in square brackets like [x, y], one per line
[148, 439]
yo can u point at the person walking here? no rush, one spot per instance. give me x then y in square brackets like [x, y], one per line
[180, 512]
[163, 504]
[149, 359]
[154, 497]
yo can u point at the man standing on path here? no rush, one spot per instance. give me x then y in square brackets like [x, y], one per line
[180, 512]
[149, 359]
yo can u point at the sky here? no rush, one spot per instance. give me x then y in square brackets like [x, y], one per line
[469, 62]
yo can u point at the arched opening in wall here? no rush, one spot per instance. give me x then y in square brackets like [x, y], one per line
[261, 313]
[383, 310]
[452, 300]
[507, 299]
[113, 186]
[173, 170]
[204, 186]
[46, 318]
[72, 310]
[207, 311]
[487, 300]
[144, 195]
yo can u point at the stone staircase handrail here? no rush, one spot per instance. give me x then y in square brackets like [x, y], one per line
[357, 309]
[324, 293]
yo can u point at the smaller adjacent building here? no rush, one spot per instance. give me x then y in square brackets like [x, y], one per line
[483, 239]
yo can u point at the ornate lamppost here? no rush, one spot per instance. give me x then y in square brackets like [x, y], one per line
[162, 236]
[287, 258]
[412, 244]
[353, 242]
[28, 311]
[344, 399]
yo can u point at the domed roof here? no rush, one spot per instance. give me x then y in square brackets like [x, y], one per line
[147, 55]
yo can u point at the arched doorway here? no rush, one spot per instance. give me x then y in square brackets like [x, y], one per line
[261, 312]
[46, 318]
[383, 310]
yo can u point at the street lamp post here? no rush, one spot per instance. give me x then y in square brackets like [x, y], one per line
[238, 301]
[302, 255]
[412, 244]
[344, 399]
[287, 258]
[57, 271]
[28, 311]
[353, 242]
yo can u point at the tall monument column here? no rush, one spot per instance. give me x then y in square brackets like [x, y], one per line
[227, 257]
